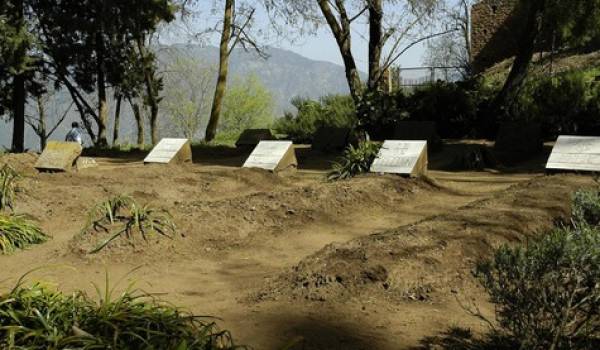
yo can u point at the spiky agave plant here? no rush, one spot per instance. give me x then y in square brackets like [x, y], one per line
[38, 318]
[122, 216]
[8, 187]
[18, 232]
[354, 161]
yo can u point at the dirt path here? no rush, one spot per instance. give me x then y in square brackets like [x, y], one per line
[243, 228]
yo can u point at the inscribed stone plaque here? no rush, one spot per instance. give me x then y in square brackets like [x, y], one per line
[170, 151]
[330, 139]
[58, 156]
[251, 137]
[575, 153]
[402, 157]
[272, 155]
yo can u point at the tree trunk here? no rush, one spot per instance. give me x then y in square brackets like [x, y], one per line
[102, 100]
[117, 120]
[151, 91]
[41, 128]
[215, 113]
[375, 44]
[341, 32]
[520, 67]
[139, 121]
[19, 94]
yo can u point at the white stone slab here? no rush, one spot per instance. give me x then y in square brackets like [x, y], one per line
[575, 153]
[401, 157]
[272, 155]
[169, 150]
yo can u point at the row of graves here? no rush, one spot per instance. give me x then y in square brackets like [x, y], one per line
[408, 155]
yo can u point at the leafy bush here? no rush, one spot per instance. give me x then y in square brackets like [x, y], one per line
[8, 178]
[18, 232]
[354, 161]
[453, 106]
[122, 216]
[36, 318]
[547, 294]
[328, 111]
[586, 207]
[562, 104]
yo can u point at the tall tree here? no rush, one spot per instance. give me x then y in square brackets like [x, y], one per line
[237, 21]
[18, 66]
[90, 46]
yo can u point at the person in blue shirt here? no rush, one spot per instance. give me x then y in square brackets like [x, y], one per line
[74, 135]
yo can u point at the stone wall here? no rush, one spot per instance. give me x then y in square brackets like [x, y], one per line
[494, 28]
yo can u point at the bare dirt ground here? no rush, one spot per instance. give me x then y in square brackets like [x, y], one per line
[377, 262]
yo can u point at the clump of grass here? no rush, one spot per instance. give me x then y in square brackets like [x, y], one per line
[18, 232]
[123, 217]
[354, 161]
[8, 187]
[36, 318]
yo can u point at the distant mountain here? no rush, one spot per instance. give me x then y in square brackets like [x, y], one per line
[284, 73]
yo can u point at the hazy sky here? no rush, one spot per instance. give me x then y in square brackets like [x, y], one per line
[320, 45]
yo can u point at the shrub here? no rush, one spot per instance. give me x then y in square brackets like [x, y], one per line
[547, 294]
[586, 207]
[36, 318]
[354, 161]
[122, 216]
[453, 106]
[18, 232]
[328, 111]
[8, 178]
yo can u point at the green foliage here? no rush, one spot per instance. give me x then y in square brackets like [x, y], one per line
[586, 207]
[547, 294]
[354, 161]
[18, 232]
[328, 111]
[123, 217]
[36, 318]
[452, 105]
[248, 104]
[564, 104]
[8, 186]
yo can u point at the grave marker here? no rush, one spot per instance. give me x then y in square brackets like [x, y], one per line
[272, 155]
[59, 156]
[330, 139]
[575, 153]
[402, 157]
[171, 151]
[252, 137]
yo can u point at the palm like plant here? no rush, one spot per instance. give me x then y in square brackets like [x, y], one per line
[8, 179]
[122, 216]
[18, 232]
[355, 160]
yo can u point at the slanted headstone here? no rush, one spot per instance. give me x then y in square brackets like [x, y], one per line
[273, 155]
[402, 157]
[171, 151]
[59, 156]
[328, 139]
[575, 153]
[518, 141]
[418, 130]
[251, 137]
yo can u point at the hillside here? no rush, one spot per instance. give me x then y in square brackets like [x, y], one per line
[588, 62]
[284, 73]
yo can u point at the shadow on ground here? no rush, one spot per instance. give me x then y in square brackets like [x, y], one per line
[463, 339]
